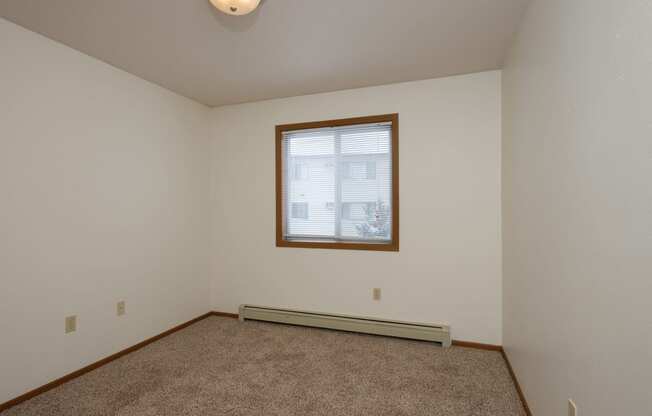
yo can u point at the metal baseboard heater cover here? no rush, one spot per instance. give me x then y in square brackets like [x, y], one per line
[366, 325]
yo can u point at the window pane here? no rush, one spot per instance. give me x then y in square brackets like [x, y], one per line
[310, 186]
[366, 198]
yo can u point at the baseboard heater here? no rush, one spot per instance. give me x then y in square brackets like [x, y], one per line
[376, 326]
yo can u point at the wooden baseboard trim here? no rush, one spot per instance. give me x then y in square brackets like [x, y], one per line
[518, 386]
[477, 345]
[225, 314]
[49, 386]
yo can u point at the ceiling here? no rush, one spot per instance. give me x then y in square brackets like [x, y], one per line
[285, 48]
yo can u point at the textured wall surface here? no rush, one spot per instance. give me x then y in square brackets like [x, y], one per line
[577, 206]
[104, 197]
[449, 266]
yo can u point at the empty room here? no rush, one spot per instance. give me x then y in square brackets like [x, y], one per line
[326, 207]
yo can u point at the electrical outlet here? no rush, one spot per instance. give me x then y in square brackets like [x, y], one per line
[121, 308]
[572, 409]
[376, 293]
[71, 324]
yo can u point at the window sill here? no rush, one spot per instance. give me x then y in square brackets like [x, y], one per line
[339, 245]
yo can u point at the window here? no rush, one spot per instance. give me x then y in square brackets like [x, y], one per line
[337, 184]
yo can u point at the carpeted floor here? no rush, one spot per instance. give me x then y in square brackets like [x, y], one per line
[220, 366]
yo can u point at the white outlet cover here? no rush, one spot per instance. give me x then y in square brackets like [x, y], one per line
[121, 308]
[71, 324]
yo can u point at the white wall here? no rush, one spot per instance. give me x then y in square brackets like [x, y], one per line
[104, 196]
[577, 160]
[449, 266]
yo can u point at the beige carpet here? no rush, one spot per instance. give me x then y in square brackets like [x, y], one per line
[220, 366]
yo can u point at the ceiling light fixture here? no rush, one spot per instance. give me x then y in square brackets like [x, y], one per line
[235, 7]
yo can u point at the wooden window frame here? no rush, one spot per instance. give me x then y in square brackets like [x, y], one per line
[343, 245]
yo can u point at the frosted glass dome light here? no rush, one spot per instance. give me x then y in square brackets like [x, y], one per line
[235, 7]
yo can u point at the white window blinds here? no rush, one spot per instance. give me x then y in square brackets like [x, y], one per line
[337, 183]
